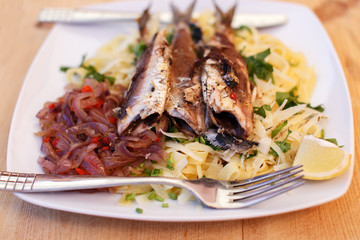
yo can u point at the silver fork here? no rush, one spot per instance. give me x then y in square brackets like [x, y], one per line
[212, 193]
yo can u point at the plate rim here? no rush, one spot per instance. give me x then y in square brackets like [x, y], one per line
[204, 218]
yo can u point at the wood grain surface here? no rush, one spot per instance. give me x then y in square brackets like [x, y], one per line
[20, 39]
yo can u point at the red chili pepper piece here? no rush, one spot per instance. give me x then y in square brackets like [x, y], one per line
[113, 120]
[99, 103]
[106, 141]
[46, 139]
[54, 142]
[95, 140]
[233, 96]
[86, 88]
[52, 106]
[82, 171]
[105, 148]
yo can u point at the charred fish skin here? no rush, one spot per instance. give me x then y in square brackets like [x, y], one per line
[146, 96]
[225, 82]
[184, 104]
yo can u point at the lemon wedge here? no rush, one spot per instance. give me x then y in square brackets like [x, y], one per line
[321, 159]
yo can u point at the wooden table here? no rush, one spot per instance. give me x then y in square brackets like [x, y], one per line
[20, 39]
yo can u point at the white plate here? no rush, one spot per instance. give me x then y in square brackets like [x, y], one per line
[67, 43]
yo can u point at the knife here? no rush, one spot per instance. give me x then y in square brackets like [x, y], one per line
[81, 16]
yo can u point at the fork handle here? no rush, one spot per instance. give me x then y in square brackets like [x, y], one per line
[66, 15]
[30, 182]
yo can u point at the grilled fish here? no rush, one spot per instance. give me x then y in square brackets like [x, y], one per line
[185, 103]
[145, 99]
[225, 82]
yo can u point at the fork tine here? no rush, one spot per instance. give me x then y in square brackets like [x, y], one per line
[254, 193]
[262, 177]
[260, 198]
[242, 189]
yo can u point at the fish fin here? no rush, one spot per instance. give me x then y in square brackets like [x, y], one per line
[142, 22]
[224, 18]
[179, 16]
[224, 140]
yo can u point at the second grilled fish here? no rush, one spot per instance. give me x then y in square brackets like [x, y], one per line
[185, 103]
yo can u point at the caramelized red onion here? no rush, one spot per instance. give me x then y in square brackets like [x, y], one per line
[79, 135]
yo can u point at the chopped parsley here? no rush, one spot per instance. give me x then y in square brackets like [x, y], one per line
[152, 196]
[169, 37]
[283, 145]
[322, 134]
[139, 210]
[138, 49]
[130, 197]
[64, 68]
[158, 198]
[244, 27]
[153, 173]
[256, 65]
[173, 196]
[262, 110]
[254, 154]
[172, 128]
[292, 100]
[91, 72]
[170, 162]
[278, 128]
[332, 140]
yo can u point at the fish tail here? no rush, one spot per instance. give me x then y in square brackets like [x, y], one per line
[142, 22]
[179, 16]
[224, 18]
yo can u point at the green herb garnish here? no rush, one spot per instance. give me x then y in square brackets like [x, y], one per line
[165, 205]
[244, 27]
[169, 37]
[292, 100]
[322, 134]
[170, 162]
[64, 69]
[173, 196]
[139, 48]
[152, 196]
[158, 198]
[262, 110]
[155, 172]
[147, 172]
[283, 145]
[139, 210]
[332, 140]
[130, 197]
[278, 128]
[91, 72]
[254, 154]
[256, 65]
